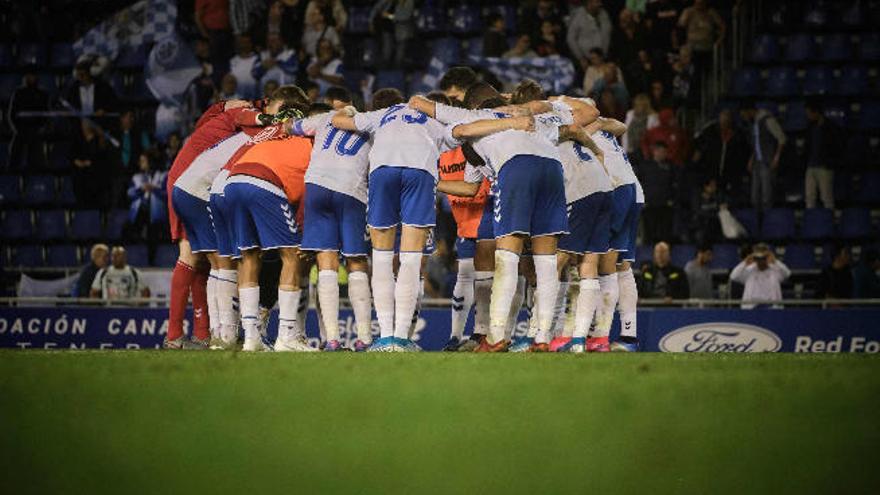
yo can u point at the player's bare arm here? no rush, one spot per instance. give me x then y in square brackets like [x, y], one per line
[344, 122]
[458, 188]
[423, 105]
[613, 126]
[485, 127]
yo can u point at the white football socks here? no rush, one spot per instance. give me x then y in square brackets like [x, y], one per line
[227, 303]
[361, 300]
[587, 301]
[288, 307]
[250, 311]
[462, 296]
[629, 298]
[302, 309]
[328, 297]
[406, 292]
[503, 289]
[532, 311]
[482, 297]
[213, 307]
[545, 293]
[560, 310]
[605, 312]
[383, 291]
[516, 306]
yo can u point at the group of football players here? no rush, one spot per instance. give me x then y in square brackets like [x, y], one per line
[540, 189]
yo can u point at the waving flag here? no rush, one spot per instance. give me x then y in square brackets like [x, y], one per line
[142, 23]
[171, 67]
[555, 74]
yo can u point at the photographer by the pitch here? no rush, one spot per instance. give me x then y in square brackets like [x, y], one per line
[762, 274]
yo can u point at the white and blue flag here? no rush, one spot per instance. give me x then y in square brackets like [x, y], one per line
[142, 23]
[555, 74]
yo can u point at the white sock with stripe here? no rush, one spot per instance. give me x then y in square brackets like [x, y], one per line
[462, 296]
[587, 301]
[406, 292]
[503, 289]
[482, 298]
[608, 287]
[545, 293]
[629, 299]
[361, 301]
[383, 291]
[328, 295]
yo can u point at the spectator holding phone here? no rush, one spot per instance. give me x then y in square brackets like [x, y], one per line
[762, 274]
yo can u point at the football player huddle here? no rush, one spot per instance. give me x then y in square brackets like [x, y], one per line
[545, 201]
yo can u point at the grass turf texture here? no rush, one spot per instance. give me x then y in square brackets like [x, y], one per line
[209, 422]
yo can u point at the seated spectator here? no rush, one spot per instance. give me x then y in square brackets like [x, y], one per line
[660, 99]
[762, 274]
[240, 66]
[611, 80]
[671, 134]
[99, 258]
[661, 280]
[228, 89]
[823, 144]
[333, 11]
[639, 119]
[866, 282]
[659, 179]
[148, 209]
[705, 205]
[628, 39]
[532, 18]
[276, 63]
[836, 281]
[699, 275]
[548, 41]
[91, 173]
[317, 29]
[287, 17]
[594, 70]
[326, 70]
[495, 39]
[89, 95]
[721, 151]
[522, 48]
[26, 147]
[588, 28]
[269, 88]
[119, 281]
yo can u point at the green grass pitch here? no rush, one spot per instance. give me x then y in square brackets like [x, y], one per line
[189, 422]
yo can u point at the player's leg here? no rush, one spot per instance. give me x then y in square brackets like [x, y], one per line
[355, 247]
[321, 236]
[213, 301]
[383, 217]
[484, 273]
[246, 241]
[560, 339]
[628, 292]
[181, 278]
[289, 336]
[463, 292]
[226, 280]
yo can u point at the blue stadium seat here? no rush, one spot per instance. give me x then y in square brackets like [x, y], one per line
[748, 217]
[836, 47]
[869, 46]
[855, 223]
[818, 223]
[31, 54]
[800, 257]
[359, 19]
[62, 55]
[800, 48]
[465, 19]
[391, 79]
[39, 190]
[853, 81]
[818, 81]
[682, 253]
[447, 49]
[85, 225]
[166, 255]
[724, 256]
[432, 18]
[16, 225]
[64, 255]
[51, 225]
[8, 84]
[778, 224]
[66, 196]
[137, 255]
[10, 189]
[839, 114]
[746, 82]
[59, 156]
[116, 220]
[765, 49]
[644, 254]
[29, 256]
[781, 81]
[869, 188]
[795, 116]
[869, 115]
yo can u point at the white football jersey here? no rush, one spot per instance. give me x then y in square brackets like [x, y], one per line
[498, 148]
[617, 162]
[583, 173]
[197, 178]
[404, 137]
[340, 159]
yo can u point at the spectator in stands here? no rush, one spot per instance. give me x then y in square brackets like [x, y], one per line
[91, 168]
[661, 18]
[589, 27]
[89, 95]
[704, 29]
[99, 259]
[228, 89]
[671, 134]
[172, 146]
[611, 81]
[26, 147]
[312, 90]
[332, 11]
[531, 19]
[326, 69]
[705, 205]
[495, 39]
[641, 72]
[244, 15]
[699, 275]
[762, 274]
[660, 99]
[594, 69]
[398, 27]
[685, 83]
[639, 119]
[201, 90]
[119, 281]
[148, 209]
[721, 151]
[317, 29]
[659, 179]
[766, 142]
[549, 41]
[866, 281]
[522, 48]
[269, 88]
[212, 21]
[287, 17]
[824, 139]
[240, 66]
[836, 281]
[628, 39]
[276, 63]
[132, 141]
[662, 280]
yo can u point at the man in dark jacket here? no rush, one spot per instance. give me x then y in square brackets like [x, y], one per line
[26, 146]
[100, 259]
[89, 95]
[658, 177]
[721, 151]
[823, 139]
[836, 281]
[661, 280]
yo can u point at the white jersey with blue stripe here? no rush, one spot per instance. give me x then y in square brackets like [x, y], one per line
[617, 162]
[404, 137]
[198, 177]
[340, 159]
[498, 148]
[583, 173]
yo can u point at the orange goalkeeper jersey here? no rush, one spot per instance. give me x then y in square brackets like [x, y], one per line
[466, 211]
